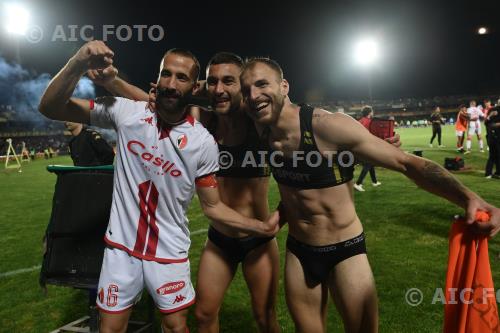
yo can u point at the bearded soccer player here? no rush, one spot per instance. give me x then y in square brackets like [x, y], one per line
[326, 244]
[243, 187]
[163, 156]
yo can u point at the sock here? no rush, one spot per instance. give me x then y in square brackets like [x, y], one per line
[469, 144]
[481, 144]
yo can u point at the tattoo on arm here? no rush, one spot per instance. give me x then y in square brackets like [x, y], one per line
[444, 181]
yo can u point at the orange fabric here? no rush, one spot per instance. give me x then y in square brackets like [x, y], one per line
[461, 124]
[470, 296]
[206, 181]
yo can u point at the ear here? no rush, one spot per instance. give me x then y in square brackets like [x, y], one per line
[197, 87]
[284, 87]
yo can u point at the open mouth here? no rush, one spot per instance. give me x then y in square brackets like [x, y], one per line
[221, 101]
[261, 105]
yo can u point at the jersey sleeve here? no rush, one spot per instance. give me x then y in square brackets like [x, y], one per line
[107, 112]
[209, 157]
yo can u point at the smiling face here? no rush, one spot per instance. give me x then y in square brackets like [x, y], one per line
[223, 87]
[264, 91]
[176, 83]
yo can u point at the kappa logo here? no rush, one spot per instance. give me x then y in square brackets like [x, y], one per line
[182, 141]
[170, 288]
[148, 120]
[178, 299]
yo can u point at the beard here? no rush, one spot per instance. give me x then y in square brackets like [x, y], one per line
[177, 105]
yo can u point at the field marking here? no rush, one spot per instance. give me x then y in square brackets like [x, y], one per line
[19, 271]
[34, 268]
[200, 231]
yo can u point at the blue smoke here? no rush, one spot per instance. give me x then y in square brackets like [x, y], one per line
[23, 90]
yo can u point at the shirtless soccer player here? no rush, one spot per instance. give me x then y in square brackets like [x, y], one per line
[163, 156]
[242, 187]
[326, 245]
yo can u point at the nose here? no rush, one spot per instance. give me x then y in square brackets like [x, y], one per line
[219, 88]
[254, 93]
[171, 83]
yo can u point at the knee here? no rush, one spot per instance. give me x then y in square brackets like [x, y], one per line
[106, 326]
[205, 315]
[174, 326]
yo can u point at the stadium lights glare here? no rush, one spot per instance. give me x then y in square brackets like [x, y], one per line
[17, 18]
[482, 31]
[366, 52]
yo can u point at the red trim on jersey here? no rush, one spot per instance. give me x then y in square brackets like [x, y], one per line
[190, 119]
[142, 256]
[113, 312]
[142, 228]
[179, 308]
[153, 228]
[206, 181]
[92, 104]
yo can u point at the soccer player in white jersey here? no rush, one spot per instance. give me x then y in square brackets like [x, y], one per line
[475, 116]
[163, 156]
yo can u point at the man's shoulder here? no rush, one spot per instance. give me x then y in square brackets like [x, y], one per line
[111, 101]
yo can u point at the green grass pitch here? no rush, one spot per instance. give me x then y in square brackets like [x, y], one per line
[406, 228]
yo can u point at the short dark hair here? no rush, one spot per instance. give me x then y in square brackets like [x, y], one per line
[487, 100]
[225, 58]
[366, 110]
[251, 62]
[187, 54]
[462, 106]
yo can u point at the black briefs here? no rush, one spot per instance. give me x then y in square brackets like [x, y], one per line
[236, 249]
[318, 261]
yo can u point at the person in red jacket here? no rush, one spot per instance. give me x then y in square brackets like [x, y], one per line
[366, 120]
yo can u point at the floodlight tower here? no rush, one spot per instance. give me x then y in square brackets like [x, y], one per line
[366, 54]
[16, 22]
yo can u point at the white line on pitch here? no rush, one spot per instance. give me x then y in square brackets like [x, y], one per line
[19, 271]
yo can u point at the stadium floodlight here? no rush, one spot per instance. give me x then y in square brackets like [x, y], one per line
[482, 31]
[366, 52]
[16, 18]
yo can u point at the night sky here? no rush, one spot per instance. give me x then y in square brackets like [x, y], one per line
[429, 48]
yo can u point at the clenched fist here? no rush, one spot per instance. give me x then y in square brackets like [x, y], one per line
[103, 76]
[93, 55]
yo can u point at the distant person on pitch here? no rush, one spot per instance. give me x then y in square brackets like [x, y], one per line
[492, 123]
[475, 116]
[366, 120]
[461, 127]
[436, 121]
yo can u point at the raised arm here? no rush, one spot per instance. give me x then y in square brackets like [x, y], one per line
[110, 81]
[334, 131]
[220, 214]
[56, 102]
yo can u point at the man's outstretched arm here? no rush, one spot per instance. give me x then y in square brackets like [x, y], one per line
[117, 86]
[56, 102]
[221, 214]
[338, 130]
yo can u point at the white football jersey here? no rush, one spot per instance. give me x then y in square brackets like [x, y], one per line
[154, 179]
[474, 113]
